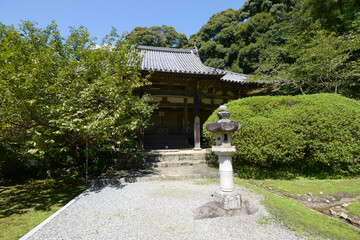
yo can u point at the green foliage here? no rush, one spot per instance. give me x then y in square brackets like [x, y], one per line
[233, 39]
[252, 7]
[164, 36]
[249, 36]
[308, 134]
[332, 15]
[320, 54]
[217, 23]
[249, 31]
[58, 93]
[316, 61]
[17, 164]
[307, 46]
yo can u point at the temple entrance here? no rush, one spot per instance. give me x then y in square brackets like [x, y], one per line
[166, 121]
[167, 130]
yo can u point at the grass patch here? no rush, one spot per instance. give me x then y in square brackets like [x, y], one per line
[206, 181]
[24, 206]
[17, 225]
[354, 208]
[305, 186]
[302, 219]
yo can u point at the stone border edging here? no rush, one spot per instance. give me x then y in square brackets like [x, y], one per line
[43, 223]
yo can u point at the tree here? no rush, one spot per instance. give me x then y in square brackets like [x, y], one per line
[316, 62]
[278, 8]
[59, 94]
[249, 35]
[164, 36]
[331, 15]
[234, 39]
[217, 23]
[215, 37]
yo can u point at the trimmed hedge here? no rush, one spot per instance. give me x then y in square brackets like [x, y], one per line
[295, 135]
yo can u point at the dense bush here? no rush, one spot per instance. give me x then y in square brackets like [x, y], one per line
[18, 165]
[309, 135]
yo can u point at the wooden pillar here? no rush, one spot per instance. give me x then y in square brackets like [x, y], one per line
[185, 117]
[212, 104]
[141, 129]
[196, 122]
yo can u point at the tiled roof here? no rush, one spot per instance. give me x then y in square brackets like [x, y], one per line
[234, 77]
[174, 60]
[182, 61]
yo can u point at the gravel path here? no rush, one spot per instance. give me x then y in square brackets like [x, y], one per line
[156, 210]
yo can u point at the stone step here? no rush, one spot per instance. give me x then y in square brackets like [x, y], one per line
[167, 146]
[164, 164]
[175, 157]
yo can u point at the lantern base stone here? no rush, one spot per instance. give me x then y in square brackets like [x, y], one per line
[229, 200]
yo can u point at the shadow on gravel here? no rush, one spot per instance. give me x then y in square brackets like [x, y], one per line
[98, 189]
[38, 195]
[117, 177]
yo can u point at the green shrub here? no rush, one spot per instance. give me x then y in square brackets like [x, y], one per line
[285, 135]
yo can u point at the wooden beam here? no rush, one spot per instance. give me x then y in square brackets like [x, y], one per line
[169, 92]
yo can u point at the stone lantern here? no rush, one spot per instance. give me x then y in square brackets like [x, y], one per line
[223, 130]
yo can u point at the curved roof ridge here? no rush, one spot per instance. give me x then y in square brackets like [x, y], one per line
[164, 49]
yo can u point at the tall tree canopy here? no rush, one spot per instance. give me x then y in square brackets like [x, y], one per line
[333, 15]
[233, 39]
[58, 93]
[320, 54]
[164, 36]
[309, 46]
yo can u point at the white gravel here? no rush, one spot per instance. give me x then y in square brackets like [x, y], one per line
[156, 210]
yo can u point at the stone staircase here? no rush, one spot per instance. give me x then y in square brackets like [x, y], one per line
[175, 158]
[180, 164]
[165, 165]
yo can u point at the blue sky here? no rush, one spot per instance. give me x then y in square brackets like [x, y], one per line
[186, 16]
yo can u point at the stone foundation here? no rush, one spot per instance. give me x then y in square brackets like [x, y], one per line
[225, 204]
[228, 200]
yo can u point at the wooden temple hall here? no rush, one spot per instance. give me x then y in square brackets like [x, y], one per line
[186, 92]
